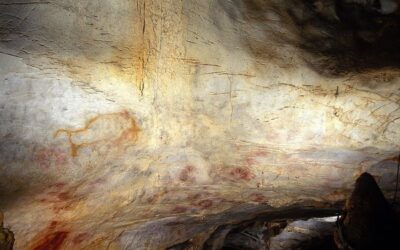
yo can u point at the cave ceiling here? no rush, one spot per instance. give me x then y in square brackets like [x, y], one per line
[139, 124]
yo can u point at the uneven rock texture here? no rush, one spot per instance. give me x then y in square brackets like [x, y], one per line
[141, 124]
[6, 236]
[316, 233]
[368, 221]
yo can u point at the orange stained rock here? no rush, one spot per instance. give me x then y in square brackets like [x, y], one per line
[128, 135]
[51, 238]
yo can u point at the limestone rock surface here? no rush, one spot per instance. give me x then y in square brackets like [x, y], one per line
[142, 124]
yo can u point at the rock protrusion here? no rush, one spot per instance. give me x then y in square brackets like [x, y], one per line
[6, 236]
[368, 221]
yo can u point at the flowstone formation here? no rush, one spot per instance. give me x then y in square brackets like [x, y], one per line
[143, 124]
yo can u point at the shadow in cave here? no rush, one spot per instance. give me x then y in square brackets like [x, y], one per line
[367, 222]
[337, 37]
[18, 177]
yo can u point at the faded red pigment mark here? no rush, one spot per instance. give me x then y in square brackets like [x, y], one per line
[242, 174]
[64, 196]
[200, 200]
[47, 157]
[251, 159]
[186, 174]
[256, 197]
[179, 209]
[78, 239]
[52, 239]
[197, 196]
[58, 185]
[57, 197]
[98, 181]
[156, 197]
[204, 204]
[152, 199]
[53, 224]
[194, 196]
[260, 154]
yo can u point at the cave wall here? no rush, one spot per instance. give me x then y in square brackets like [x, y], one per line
[124, 119]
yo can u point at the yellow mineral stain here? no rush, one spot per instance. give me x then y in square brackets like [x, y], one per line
[126, 59]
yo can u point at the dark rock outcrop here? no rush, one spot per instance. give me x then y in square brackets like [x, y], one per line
[6, 236]
[368, 221]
